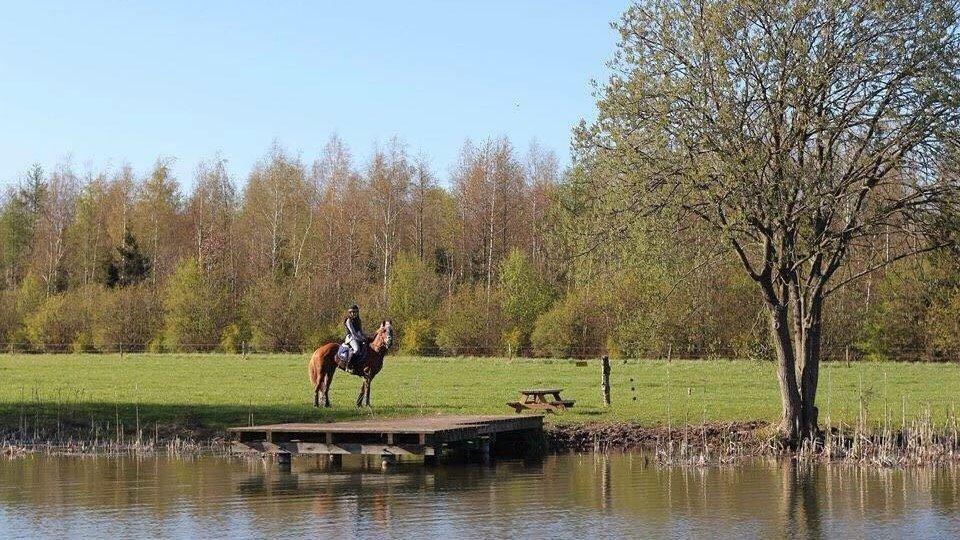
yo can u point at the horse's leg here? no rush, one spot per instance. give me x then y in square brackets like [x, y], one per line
[327, 380]
[363, 392]
[318, 387]
[367, 385]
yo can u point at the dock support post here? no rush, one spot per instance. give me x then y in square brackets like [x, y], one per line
[285, 461]
[436, 458]
[486, 449]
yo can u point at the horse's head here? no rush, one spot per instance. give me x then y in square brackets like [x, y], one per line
[384, 337]
[387, 328]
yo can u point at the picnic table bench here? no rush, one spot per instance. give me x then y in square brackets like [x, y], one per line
[541, 399]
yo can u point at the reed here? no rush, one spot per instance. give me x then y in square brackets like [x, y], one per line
[61, 427]
[918, 442]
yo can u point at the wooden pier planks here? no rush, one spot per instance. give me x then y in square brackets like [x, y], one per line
[389, 436]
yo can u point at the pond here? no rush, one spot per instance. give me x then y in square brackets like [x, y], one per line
[619, 495]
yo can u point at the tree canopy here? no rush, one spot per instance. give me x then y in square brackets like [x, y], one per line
[796, 131]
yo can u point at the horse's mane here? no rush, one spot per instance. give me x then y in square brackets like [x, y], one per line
[378, 338]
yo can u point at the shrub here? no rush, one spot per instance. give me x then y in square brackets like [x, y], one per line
[197, 308]
[83, 343]
[523, 297]
[943, 328]
[64, 321]
[127, 319]
[10, 320]
[893, 328]
[553, 332]
[471, 322]
[418, 338]
[513, 341]
[19, 304]
[279, 314]
[156, 345]
[30, 295]
[412, 291]
[326, 333]
[234, 337]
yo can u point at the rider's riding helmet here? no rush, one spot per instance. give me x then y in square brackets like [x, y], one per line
[354, 310]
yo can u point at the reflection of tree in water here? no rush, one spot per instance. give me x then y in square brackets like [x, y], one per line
[801, 501]
[624, 493]
[945, 489]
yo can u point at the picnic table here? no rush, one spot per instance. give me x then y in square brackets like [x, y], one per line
[541, 399]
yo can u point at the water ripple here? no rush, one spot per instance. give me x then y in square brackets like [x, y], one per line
[560, 497]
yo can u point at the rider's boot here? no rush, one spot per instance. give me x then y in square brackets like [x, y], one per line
[348, 364]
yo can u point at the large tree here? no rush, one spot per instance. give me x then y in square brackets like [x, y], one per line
[797, 130]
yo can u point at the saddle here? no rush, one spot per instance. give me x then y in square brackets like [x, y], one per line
[358, 361]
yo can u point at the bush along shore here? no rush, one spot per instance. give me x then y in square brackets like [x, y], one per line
[916, 442]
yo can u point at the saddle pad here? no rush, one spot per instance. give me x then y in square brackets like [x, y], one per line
[344, 351]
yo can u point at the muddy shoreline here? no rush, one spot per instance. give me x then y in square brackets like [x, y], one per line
[705, 444]
[630, 436]
[556, 439]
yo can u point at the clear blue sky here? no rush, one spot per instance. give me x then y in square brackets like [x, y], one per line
[108, 83]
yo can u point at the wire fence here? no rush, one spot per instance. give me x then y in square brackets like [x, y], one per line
[499, 350]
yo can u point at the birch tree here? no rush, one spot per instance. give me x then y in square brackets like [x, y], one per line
[389, 176]
[56, 213]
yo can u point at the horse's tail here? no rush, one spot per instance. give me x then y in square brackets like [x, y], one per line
[313, 368]
[316, 365]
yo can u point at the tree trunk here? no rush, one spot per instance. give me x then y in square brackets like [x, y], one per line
[810, 368]
[786, 372]
[798, 366]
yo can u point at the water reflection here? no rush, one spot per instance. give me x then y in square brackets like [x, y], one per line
[560, 497]
[802, 516]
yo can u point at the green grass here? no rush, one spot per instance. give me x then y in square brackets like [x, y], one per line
[216, 391]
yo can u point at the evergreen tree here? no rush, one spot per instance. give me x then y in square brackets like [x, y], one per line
[131, 265]
[18, 219]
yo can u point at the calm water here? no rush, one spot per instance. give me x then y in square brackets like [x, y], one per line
[561, 497]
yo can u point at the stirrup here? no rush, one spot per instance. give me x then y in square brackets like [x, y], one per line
[349, 366]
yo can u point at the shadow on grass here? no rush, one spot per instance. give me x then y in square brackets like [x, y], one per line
[165, 421]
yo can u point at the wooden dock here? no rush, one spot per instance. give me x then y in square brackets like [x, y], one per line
[389, 437]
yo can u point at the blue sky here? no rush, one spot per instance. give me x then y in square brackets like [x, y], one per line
[126, 82]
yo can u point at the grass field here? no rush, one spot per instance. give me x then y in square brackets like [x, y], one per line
[211, 392]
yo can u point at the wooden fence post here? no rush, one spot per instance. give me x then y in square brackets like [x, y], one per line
[605, 379]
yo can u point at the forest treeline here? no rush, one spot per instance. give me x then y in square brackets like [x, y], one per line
[485, 259]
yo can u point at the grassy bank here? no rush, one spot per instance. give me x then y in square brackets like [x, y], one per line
[206, 393]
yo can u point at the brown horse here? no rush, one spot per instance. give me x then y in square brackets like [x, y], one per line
[323, 365]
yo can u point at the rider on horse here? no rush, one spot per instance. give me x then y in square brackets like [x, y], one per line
[355, 338]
